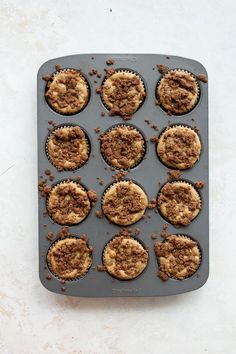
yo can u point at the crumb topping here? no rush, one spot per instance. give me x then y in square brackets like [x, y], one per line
[178, 257]
[124, 257]
[68, 203]
[67, 91]
[67, 148]
[69, 258]
[122, 146]
[124, 203]
[177, 91]
[123, 92]
[179, 147]
[179, 202]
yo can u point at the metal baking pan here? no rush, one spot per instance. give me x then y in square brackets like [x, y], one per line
[150, 174]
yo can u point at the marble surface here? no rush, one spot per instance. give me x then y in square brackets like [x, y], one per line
[32, 320]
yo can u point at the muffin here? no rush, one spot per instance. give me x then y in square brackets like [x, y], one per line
[68, 203]
[124, 203]
[124, 257]
[179, 202]
[122, 93]
[178, 91]
[178, 257]
[122, 146]
[179, 147]
[69, 258]
[67, 148]
[67, 92]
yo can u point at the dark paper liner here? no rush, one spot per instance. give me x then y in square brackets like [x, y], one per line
[109, 187]
[112, 275]
[68, 279]
[70, 125]
[200, 256]
[176, 126]
[198, 93]
[183, 182]
[124, 71]
[85, 81]
[143, 152]
[61, 183]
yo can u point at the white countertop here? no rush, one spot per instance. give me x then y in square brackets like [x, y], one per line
[33, 320]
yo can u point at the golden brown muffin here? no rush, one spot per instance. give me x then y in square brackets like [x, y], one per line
[179, 202]
[69, 258]
[68, 203]
[124, 203]
[178, 91]
[124, 257]
[67, 92]
[122, 146]
[67, 148]
[179, 147]
[123, 92]
[178, 257]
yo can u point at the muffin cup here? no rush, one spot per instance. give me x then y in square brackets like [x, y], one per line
[61, 183]
[186, 183]
[200, 256]
[198, 91]
[87, 85]
[176, 126]
[108, 188]
[124, 71]
[113, 276]
[143, 150]
[67, 126]
[68, 279]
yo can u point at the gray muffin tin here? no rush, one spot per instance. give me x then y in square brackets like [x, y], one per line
[150, 174]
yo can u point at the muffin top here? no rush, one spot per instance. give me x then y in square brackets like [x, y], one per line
[179, 147]
[177, 91]
[122, 93]
[122, 146]
[179, 202]
[67, 148]
[178, 257]
[124, 203]
[69, 258]
[67, 92]
[68, 203]
[124, 257]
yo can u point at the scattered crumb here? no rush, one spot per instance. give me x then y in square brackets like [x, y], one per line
[99, 214]
[157, 103]
[84, 237]
[152, 204]
[64, 231]
[47, 172]
[147, 121]
[155, 127]
[58, 67]
[109, 71]
[196, 129]
[50, 236]
[202, 78]
[169, 113]
[93, 72]
[63, 288]
[154, 236]
[102, 114]
[137, 231]
[119, 175]
[62, 281]
[48, 277]
[78, 178]
[46, 77]
[199, 184]
[162, 68]
[51, 177]
[98, 90]
[164, 230]
[99, 75]
[173, 175]
[92, 58]
[110, 61]
[95, 81]
[43, 188]
[50, 122]
[92, 196]
[154, 139]
[97, 130]
[101, 268]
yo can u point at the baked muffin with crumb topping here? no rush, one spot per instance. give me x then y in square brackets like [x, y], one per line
[179, 202]
[67, 91]
[178, 257]
[69, 258]
[179, 147]
[122, 146]
[123, 92]
[124, 203]
[178, 91]
[124, 257]
[67, 148]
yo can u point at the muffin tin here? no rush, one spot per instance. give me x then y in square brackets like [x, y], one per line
[150, 174]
